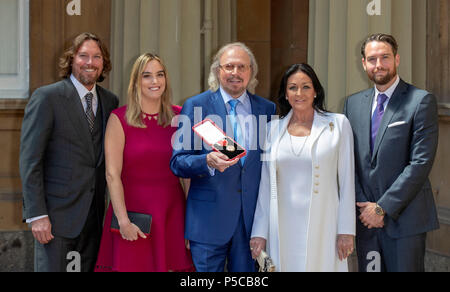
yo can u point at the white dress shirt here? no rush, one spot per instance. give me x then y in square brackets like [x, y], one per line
[389, 92]
[244, 112]
[82, 91]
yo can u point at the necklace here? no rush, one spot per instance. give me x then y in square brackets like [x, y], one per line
[301, 148]
[150, 117]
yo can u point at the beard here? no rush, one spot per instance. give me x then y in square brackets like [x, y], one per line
[234, 90]
[383, 80]
[88, 79]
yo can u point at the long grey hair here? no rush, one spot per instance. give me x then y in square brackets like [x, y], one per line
[213, 79]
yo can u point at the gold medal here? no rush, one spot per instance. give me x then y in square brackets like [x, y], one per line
[231, 148]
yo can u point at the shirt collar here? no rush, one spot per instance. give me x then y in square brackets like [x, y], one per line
[244, 99]
[82, 91]
[390, 91]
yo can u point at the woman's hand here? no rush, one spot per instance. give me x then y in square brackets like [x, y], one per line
[131, 232]
[257, 244]
[344, 245]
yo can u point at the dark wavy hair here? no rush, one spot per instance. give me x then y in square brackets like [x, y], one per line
[284, 105]
[380, 37]
[66, 60]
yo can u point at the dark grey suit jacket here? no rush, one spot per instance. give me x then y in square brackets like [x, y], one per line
[60, 172]
[396, 174]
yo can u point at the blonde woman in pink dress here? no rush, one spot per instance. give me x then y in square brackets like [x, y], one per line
[138, 150]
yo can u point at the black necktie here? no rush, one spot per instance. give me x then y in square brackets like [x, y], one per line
[89, 112]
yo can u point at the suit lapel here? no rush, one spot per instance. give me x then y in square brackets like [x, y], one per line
[102, 103]
[393, 105]
[217, 111]
[257, 109]
[365, 120]
[75, 112]
[277, 131]
[320, 123]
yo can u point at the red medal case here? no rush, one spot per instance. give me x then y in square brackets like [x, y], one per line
[218, 140]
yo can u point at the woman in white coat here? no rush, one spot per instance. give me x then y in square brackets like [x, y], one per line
[305, 214]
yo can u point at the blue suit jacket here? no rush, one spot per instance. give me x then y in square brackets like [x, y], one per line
[396, 174]
[214, 202]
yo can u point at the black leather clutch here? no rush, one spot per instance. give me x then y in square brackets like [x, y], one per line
[141, 220]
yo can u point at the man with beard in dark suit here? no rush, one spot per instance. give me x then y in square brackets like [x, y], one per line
[395, 129]
[62, 162]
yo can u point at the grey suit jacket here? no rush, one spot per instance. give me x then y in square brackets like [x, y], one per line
[396, 174]
[60, 172]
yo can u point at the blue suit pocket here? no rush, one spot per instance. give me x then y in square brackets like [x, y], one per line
[202, 194]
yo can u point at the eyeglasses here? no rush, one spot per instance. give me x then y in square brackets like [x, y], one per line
[229, 68]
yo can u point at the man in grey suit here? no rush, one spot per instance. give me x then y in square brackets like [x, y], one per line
[62, 162]
[395, 129]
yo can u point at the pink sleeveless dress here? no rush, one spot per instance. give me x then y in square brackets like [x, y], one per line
[149, 187]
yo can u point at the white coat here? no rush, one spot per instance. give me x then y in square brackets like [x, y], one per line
[332, 209]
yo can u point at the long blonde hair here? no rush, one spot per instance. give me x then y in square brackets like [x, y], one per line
[134, 112]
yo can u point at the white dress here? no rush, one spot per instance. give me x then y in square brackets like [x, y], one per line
[304, 202]
[294, 199]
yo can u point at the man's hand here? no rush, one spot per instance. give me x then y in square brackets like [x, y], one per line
[42, 230]
[219, 161]
[368, 216]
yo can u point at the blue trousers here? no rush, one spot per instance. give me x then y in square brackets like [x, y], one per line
[235, 253]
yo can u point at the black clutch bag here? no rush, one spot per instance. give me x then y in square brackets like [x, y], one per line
[141, 220]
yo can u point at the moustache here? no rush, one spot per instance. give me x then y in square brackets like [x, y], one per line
[235, 79]
[89, 68]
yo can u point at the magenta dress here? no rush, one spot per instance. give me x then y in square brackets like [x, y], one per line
[149, 187]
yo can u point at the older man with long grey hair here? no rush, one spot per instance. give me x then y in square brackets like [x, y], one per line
[223, 191]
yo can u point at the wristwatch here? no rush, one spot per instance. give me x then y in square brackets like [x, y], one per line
[378, 210]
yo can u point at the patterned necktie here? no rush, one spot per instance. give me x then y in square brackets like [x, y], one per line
[376, 118]
[89, 112]
[236, 128]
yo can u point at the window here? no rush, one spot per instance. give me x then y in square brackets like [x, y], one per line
[14, 49]
[438, 55]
